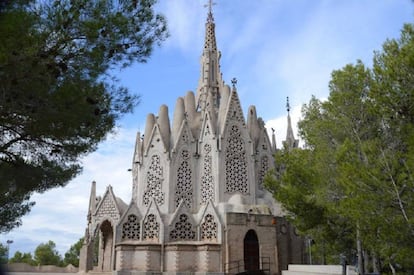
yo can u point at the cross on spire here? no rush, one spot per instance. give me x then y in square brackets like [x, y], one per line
[210, 5]
[287, 104]
[234, 82]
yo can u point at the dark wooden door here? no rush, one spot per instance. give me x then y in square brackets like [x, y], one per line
[251, 251]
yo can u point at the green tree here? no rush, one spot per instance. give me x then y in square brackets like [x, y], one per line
[20, 257]
[72, 255]
[46, 254]
[299, 184]
[393, 102]
[3, 254]
[357, 168]
[58, 99]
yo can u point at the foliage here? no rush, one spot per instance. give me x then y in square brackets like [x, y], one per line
[355, 176]
[72, 255]
[3, 254]
[20, 257]
[58, 99]
[46, 254]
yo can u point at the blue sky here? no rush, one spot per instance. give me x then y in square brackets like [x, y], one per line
[275, 48]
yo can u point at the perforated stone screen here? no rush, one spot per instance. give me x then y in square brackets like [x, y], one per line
[236, 163]
[154, 182]
[184, 187]
[183, 229]
[209, 229]
[207, 184]
[151, 228]
[264, 167]
[131, 228]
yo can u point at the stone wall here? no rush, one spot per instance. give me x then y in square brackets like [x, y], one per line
[238, 224]
[318, 270]
[23, 267]
[291, 246]
[177, 257]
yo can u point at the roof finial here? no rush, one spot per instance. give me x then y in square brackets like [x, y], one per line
[287, 104]
[210, 5]
[234, 82]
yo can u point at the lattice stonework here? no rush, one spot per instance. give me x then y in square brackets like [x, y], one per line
[209, 229]
[154, 182]
[235, 112]
[210, 38]
[182, 230]
[236, 163]
[184, 187]
[264, 167]
[151, 228]
[108, 209]
[131, 228]
[207, 184]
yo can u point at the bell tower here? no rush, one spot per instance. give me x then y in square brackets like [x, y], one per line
[208, 95]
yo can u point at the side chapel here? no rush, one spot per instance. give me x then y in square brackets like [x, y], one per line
[198, 201]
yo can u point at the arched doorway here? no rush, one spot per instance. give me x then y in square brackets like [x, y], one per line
[106, 246]
[251, 251]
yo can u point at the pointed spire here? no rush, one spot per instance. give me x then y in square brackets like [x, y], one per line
[274, 148]
[149, 126]
[210, 5]
[210, 38]
[253, 125]
[179, 116]
[290, 141]
[164, 124]
[92, 201]
[137, 158]
[210, 78]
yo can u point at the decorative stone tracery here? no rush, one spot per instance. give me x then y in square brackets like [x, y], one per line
[184, 187]
[185, 136]
[235, 112]
[131, 228]
[108, 209]
[209, 229]
[183, 229]
[264, 167]
[207, 183]
[154, 182]
[236, 163]
[151, 229]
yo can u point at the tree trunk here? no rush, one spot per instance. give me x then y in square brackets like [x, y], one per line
[360, 254]
[392, 269]
[375, 263]
[366, 261]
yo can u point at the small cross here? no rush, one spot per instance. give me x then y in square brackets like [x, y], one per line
[287, 104]
[234, 82]
[210, 5]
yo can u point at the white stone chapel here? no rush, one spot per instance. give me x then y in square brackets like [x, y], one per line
[198, 201]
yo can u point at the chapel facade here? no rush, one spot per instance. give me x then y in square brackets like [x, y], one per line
[198, 201]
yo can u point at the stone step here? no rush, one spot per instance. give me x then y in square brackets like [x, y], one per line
[322, 269]
[287, 272]
[318, 270]
[99, 273]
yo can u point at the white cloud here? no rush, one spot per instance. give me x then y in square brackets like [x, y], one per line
[279, 124]
[184, 24]
[60, 214]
